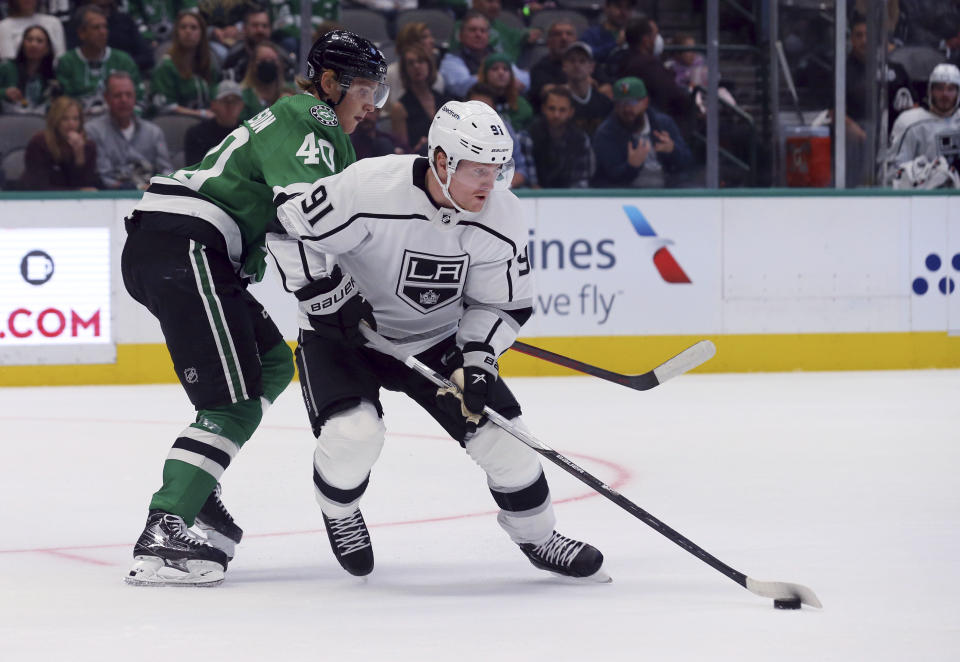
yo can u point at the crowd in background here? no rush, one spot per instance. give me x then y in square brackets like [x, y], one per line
[591, 99]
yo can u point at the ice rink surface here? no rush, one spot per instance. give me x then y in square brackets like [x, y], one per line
[848, 483]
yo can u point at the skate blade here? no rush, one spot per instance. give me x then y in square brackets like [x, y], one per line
[151, 571]
[599, 577]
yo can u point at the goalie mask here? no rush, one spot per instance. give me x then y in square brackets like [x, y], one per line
[477, 145]
[948, 74]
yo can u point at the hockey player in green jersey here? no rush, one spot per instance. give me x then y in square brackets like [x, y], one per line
[194, 241]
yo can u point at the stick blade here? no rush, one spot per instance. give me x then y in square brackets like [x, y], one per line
[784, 591]
[690, 358]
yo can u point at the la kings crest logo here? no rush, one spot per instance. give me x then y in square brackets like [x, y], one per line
[429, 282]
[324, 114]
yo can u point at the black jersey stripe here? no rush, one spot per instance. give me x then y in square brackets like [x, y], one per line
[513, 246]
[200, 448]
[180, 191]
[528, 498]
[303, 262]
[496, 326]
[509, 281]
[350, 220]
[336, 494]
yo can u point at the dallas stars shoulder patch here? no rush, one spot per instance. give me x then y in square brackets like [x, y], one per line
[324, 114]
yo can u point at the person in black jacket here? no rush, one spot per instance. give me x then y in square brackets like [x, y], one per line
[227, 104]
[557, 151]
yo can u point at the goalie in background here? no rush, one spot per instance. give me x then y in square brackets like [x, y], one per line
[923, 136]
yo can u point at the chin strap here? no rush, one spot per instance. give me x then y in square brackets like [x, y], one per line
[445, 185]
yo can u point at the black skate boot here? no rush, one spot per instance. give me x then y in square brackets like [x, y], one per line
[350, 541]
[169, 554]
[217, 524]
[567, 557]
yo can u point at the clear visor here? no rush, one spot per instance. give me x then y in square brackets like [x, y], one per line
[485, 175]
[367, 91]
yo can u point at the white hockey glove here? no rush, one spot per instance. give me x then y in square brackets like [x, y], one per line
[474, 370]
[335, 308]
[902, 100]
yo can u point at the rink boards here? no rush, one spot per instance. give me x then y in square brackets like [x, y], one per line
[780, 280]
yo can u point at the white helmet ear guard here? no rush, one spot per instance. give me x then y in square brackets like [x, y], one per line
[470, 131]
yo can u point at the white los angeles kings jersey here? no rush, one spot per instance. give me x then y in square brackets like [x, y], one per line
[421, 267]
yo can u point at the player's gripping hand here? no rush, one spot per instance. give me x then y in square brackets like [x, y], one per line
[335, 308]
[474, 370]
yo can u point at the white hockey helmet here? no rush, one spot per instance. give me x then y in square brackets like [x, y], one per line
[944, 73]
[470, 131]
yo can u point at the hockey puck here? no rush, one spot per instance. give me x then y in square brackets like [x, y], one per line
[791, 603]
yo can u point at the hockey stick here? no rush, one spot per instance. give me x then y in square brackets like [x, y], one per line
[779, 591]
[693, 356]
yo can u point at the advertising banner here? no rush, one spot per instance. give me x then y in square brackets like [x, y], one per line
[55, 296]
[625, 266]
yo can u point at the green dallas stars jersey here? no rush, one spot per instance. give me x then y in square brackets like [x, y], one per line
[277, 153]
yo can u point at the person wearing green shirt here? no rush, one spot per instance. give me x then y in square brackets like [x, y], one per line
[83, 71]
[194, 241]
[182, 80]
[504, 38]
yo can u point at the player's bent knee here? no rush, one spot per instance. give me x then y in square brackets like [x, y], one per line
[349, 444]
[507, 460]
[236, 421]
[277, 370]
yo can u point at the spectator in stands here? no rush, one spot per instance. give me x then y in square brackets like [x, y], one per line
[557, 151]
[689, 67]
[497, 72]
[923, 20]
[504, 38]
[642, 60]
[858, 166]
[130, 150]
[256, 30]
[21, 14]
[606, 36]
[638, 146]
[83, 70]
[226, 106]
[368, 140]
[28, 82]
[286, 20]
[182, 80]
[155, 18]
[549, 69]
[482, 92]
[124, 35]
[591, 105]
[388, 7]
[459, 66]
[61, 157]
[413, 33]
[263, 82]
[223, 18]
[413, 111]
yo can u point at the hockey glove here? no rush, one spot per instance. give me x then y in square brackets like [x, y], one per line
[335, 308]
[474, 370]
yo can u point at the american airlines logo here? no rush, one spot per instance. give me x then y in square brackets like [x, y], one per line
[429, 282]
[663, 259]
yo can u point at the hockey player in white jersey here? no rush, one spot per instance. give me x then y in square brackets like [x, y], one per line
[432, 253]
[922, 133]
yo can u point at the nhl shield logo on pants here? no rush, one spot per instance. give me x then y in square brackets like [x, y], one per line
[428, 282]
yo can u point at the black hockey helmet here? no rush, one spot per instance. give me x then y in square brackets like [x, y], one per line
[350, 56]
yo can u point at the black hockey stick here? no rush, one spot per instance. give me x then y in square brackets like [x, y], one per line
[777, 590]
[693, 356]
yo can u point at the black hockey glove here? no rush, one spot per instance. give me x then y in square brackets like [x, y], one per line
[335, 308]
[474, 370]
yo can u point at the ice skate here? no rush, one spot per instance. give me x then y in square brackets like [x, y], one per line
[217, 524]
[169, 554]
[567, 557]
[350, 541]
